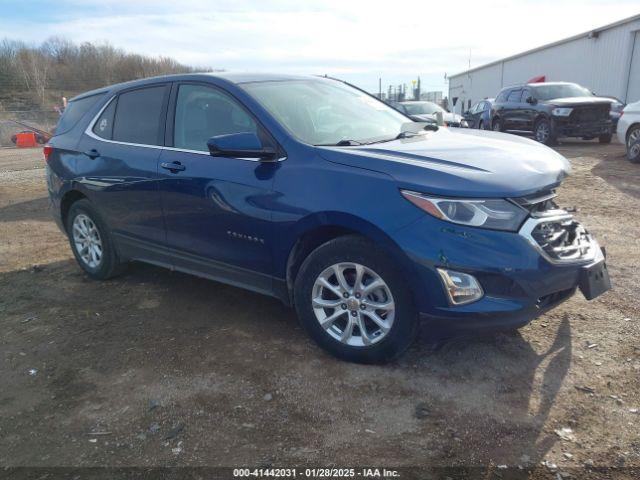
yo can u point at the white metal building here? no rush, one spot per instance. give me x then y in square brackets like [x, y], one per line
[605, 60]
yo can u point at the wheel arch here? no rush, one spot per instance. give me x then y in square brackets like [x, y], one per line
[318, 229]
[69, 198]
[629, 129]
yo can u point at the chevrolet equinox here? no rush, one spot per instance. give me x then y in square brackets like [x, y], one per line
[317, 193]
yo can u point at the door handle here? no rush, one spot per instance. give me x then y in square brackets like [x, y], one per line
[93, 153]
[173, 166]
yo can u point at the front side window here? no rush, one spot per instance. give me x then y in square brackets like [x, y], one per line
[203, 112]
[514, 96]
[138, 116]
[327, 112]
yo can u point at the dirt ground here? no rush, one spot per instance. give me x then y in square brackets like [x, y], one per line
[163, 369]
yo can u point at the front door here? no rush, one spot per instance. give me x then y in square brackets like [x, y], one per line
[216, 209]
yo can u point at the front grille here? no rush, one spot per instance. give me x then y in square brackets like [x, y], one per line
[563, 239]
[553, 298]
[589, 114]
[553, 231]
[538, 203]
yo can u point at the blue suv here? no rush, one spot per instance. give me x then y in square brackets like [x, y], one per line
[314, 192]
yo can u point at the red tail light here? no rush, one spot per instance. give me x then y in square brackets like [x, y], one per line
[47, 151]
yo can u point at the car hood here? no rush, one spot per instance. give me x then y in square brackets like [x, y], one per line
[577, 101]
[460, 163]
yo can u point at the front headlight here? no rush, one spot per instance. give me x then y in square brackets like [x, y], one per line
[498, 214]
[562, 112]
[464, 124]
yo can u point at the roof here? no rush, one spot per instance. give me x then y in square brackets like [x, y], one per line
[232, 77]
[549, 45]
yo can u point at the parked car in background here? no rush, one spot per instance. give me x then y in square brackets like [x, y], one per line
[416, 118]
[628, 131]
[552, 110]
[422, 111]
[479, 115]
[319, 194]
[616, 111]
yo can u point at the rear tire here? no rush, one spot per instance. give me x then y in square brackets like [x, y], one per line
[91, 242]
[336, 296]
[605, 138]
[481, 125]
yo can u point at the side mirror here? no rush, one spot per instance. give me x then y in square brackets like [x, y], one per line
[240, 145]
[531, 100]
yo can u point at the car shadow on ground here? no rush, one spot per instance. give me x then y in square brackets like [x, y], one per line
[467, 401]
[620, 173]
[37, 209]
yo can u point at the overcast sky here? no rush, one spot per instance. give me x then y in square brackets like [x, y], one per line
[359, 41]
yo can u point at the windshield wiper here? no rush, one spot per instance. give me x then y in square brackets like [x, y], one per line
[341, 143]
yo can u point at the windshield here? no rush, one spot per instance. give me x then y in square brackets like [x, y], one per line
[549, 92]
[327, 112]
[422, 108]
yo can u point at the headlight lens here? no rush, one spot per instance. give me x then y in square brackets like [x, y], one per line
[562, 112]
[464, 124]
[498, 214]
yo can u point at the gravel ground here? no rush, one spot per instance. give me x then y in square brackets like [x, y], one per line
[162, 369]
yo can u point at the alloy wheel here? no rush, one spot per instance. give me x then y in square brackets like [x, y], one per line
[542, 132]
[87, 241]
[633, 137]
[353, 304]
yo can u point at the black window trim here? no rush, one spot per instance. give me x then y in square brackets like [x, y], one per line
[89, 130]
[171, 112]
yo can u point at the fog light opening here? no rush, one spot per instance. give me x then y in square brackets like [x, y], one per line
[461, 288]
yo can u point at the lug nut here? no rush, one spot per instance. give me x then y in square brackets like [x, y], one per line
[344, 306]
[357, 295]
[363, 306]
[345, 295]
[354, 313]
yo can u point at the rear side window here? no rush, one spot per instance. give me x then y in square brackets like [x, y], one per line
[502, 96]
[138, 116]
[104, 126]
[75, 111]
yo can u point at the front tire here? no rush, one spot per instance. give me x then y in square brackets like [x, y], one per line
[605, 138]
[91, 242]
[481, 125]
[352, 300]
[497, 125]
[543, 132]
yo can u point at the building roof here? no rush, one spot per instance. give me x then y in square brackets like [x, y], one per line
[549, 45]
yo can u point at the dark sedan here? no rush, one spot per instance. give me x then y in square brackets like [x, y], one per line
[479, 116]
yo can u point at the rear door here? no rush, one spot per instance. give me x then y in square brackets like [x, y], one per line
[217, 209]
[120, 166]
